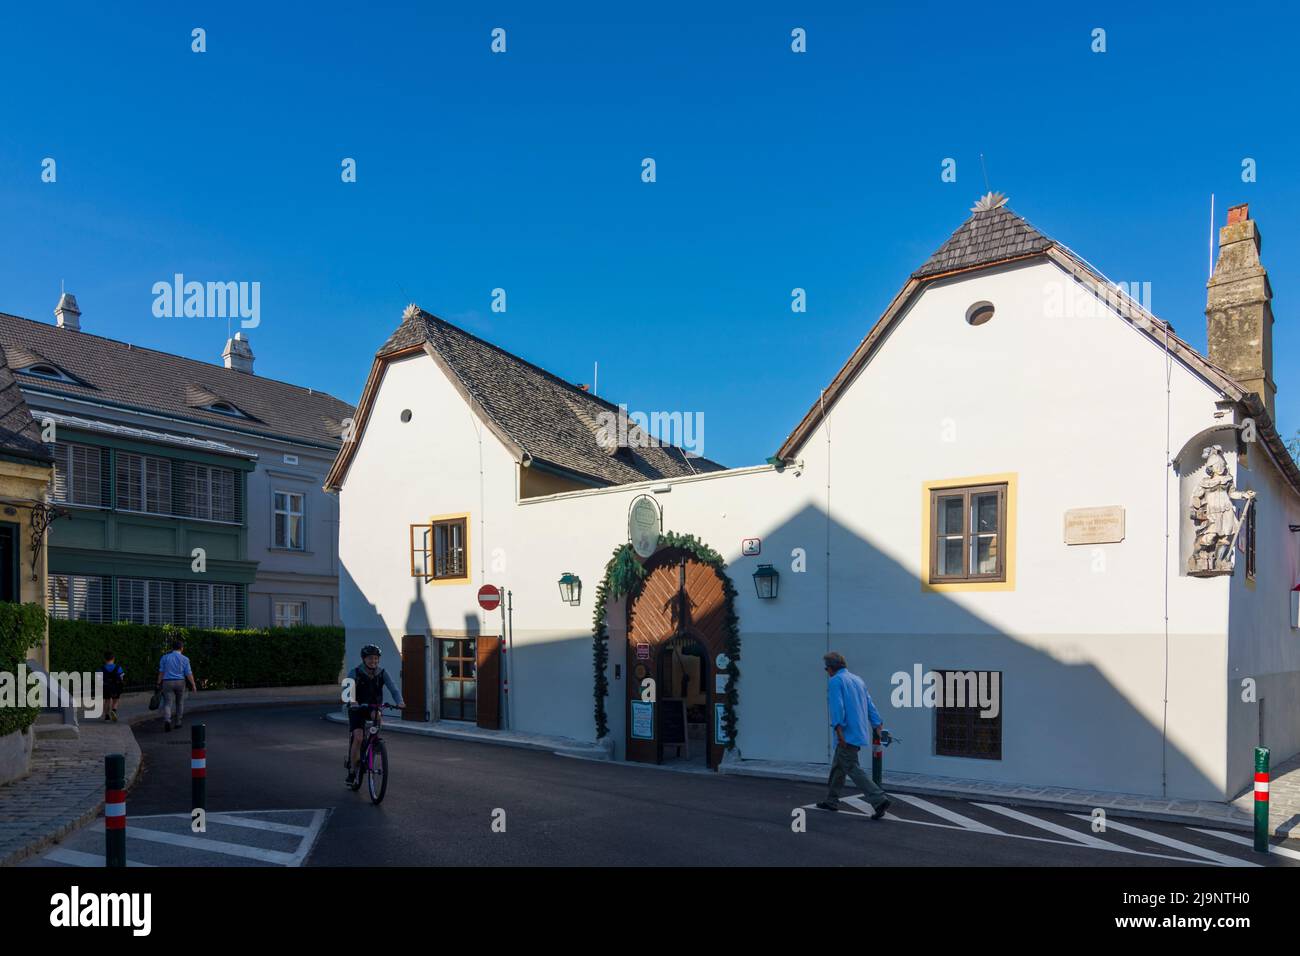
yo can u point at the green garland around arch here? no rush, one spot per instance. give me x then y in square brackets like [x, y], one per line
[623, 576]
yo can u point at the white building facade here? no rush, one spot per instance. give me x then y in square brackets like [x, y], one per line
[984, 489]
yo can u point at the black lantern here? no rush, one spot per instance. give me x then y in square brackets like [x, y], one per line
[766, 579]
[570, 588]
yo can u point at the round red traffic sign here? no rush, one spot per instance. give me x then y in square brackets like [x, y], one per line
[489, 597]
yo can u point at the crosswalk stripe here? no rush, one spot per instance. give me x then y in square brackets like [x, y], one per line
[1083, 838]
[966, 823]
[233, 820]
[214, 846]
[1247, 841]
[1220, 858]
[77, 858]
[1013, 836]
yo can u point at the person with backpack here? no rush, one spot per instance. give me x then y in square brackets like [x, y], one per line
[114, 682]
[369, 681]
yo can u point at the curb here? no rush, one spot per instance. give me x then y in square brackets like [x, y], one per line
[586, 751]
[1164, 816]
[133, 753]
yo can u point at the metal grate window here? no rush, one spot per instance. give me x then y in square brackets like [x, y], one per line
[961, 731]
[75, 597]
[290, 613]
[214, 605]
[146, 602]
[209, 492]
[80, 474]
[144, 483]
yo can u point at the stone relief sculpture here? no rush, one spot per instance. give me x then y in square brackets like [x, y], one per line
[1215, 518]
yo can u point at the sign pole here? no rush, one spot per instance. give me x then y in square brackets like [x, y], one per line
[510, 602]
[505, 668]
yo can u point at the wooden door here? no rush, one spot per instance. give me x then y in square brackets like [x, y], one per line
[415, 668]
[489, 682]
[680, 595]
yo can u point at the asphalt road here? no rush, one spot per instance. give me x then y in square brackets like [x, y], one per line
[275, 786]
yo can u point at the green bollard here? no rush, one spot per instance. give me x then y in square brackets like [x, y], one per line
[1261, 799]
[877, 757]
[115, 810]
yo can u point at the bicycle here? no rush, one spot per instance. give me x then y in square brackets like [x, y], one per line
[372, 766]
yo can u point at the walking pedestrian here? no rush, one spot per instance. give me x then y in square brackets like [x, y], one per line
[173, 673]
[854, 717]
[114, 681]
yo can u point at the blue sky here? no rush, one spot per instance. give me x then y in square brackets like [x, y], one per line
[522, 171]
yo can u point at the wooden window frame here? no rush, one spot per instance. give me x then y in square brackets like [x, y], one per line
[426, 550]
[967, 492]
[1250, 533]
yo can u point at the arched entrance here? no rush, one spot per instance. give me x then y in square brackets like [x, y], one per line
[677, 627]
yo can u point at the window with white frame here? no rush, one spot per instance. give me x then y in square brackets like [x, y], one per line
[290, 613]
[209, 492]
[144, 483]
[288, 520]
[213, 605]
[80, 473]
[78, 597]
[146, 602]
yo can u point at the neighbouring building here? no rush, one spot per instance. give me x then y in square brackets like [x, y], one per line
[188, 492]
[1021, 483]
[26, 467]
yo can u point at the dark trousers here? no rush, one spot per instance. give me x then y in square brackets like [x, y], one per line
[845, 764]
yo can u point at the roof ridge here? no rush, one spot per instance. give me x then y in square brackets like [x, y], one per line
[184, 358]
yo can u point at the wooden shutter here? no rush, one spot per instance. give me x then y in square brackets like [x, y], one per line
[415, 667]
[489, 682]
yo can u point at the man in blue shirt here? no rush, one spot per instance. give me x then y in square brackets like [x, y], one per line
[173, 673]
[854, 717]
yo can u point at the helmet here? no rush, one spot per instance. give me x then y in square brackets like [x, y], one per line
[370, 649]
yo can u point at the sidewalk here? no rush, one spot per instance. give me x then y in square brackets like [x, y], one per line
[1284, 802]
[566, 746]
[65, 789]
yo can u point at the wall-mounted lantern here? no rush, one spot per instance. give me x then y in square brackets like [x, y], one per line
[766, 579]
[571, 589]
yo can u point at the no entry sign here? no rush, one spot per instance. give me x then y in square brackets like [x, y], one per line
[489, 597]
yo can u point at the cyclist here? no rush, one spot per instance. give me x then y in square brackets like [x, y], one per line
[368, 696]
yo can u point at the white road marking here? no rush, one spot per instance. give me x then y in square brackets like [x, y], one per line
[1013, 836]
[1221, 858]
[215, 846]
[234, 819]
[952, 816]
[1083, 838]
[1238, 838]
[77, 858]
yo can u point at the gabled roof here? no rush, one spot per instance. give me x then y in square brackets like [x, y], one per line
[990, 235]
[20, 437]
[541, 418]
[995, 236]
[119, 374]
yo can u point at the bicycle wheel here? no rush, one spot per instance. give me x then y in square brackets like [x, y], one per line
[377, 771]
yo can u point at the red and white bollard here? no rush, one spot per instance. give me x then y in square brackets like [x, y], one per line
[115, 810]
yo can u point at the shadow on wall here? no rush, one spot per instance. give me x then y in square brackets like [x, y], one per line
[1064, 722]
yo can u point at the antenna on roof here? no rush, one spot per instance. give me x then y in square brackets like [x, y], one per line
[1211, 235]
[595, 378]
[986, 174]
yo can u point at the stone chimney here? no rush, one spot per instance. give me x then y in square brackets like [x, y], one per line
[1239, 318]
[238, 354]
[66, 312]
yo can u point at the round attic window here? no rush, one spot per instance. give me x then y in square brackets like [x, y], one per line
[979, 313]
[406, 414]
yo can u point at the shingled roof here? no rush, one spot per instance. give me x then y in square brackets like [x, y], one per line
[19, 435]
[990, 235]
[542, 418]
[117, 373]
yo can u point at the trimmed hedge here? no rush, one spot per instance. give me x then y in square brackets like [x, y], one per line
[21, 628]
[256, 657]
